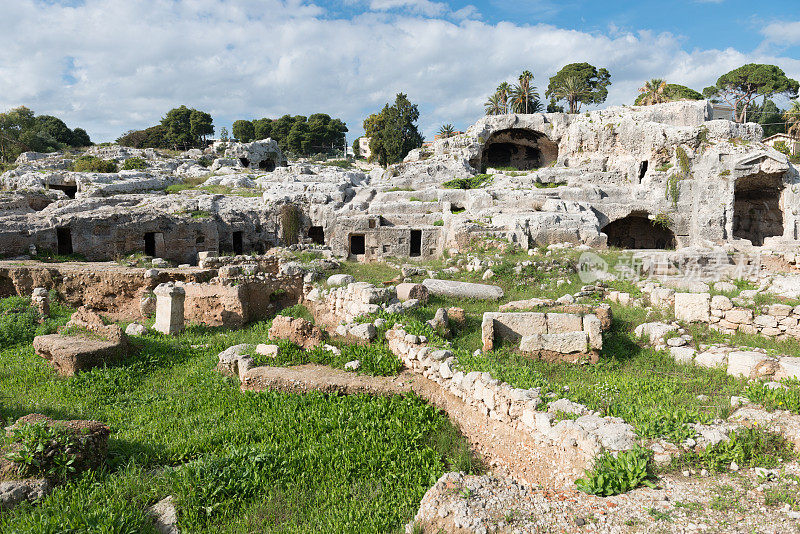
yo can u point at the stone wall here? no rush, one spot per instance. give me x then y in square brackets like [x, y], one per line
[576, 442]
[570, 336]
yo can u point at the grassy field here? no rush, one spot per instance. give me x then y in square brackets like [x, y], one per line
[645, 387]
[234, 461]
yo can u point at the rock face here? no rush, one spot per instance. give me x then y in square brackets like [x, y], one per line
[264, 155]
[94, 344]
[297, 330]
[462, 290]
[601, 178]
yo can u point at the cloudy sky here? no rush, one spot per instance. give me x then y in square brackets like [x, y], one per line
[114, 65]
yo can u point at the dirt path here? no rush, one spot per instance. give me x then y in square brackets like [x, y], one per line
[506, 449]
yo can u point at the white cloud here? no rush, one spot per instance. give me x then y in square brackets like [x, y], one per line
[130, 62]
[424, 7]
[782, 33]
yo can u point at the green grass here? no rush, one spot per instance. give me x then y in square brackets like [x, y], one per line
[234, 461]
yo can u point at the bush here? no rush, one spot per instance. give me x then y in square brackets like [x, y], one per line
[612, 476]
[473, 182]
[93, 164]
[134, 164]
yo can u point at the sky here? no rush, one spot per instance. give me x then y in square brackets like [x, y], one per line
[109, 66]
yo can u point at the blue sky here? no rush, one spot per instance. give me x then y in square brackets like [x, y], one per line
[114, 65]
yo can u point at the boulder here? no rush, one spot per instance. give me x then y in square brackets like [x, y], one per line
[408, 291]
[297, 330]
[363, 331]
[136, 329]
[692, 307]
[340, 280]
[93, 344]
[165, 516]
[234, 361]
[462, 290]
[14, 492]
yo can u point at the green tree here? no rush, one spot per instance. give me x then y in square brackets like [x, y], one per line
[493, 105]
[524, 97]
[503, 94]
[770, 117]
[243, 131]
[55, 128]
[153, 137]
[740, 87]
[652, 92]
[223, 134]
[202, 125]
[579, 83]
[80, 137]
[262, 128]
[447, 130]
[393, 132]
[673, 92]
[186, 127]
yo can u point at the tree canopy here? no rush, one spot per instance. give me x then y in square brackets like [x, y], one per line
[519, 98]
[393, 132]
[579, 83]
[181, 127]
[672, 92]
[299, 135]
[22, 130]
[187, 128]
[741, 87]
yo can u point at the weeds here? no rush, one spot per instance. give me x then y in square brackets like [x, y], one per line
[611, 475]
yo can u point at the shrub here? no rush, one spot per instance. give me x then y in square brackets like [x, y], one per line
[473, 182]
[93, 164]
[440, 222]
[662, 220]
[783, 148]
[134, 164]
[614, 475]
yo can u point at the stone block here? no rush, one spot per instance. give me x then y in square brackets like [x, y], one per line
[742, 363]
[692, 307]
[712, 360]
[780, 310]
[766, 321]
[721, 302]
[788, 367]
[412, 291]
[169, 308]
[594, 331]
[682, 354]
[462, 290]
[739, 315]
[560, 323]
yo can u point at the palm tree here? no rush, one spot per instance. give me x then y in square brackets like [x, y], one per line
[493, 105]
[572, 89]
[653, 91]
[792, 116]
[446, 131]
[503, 92]
[524, 97]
